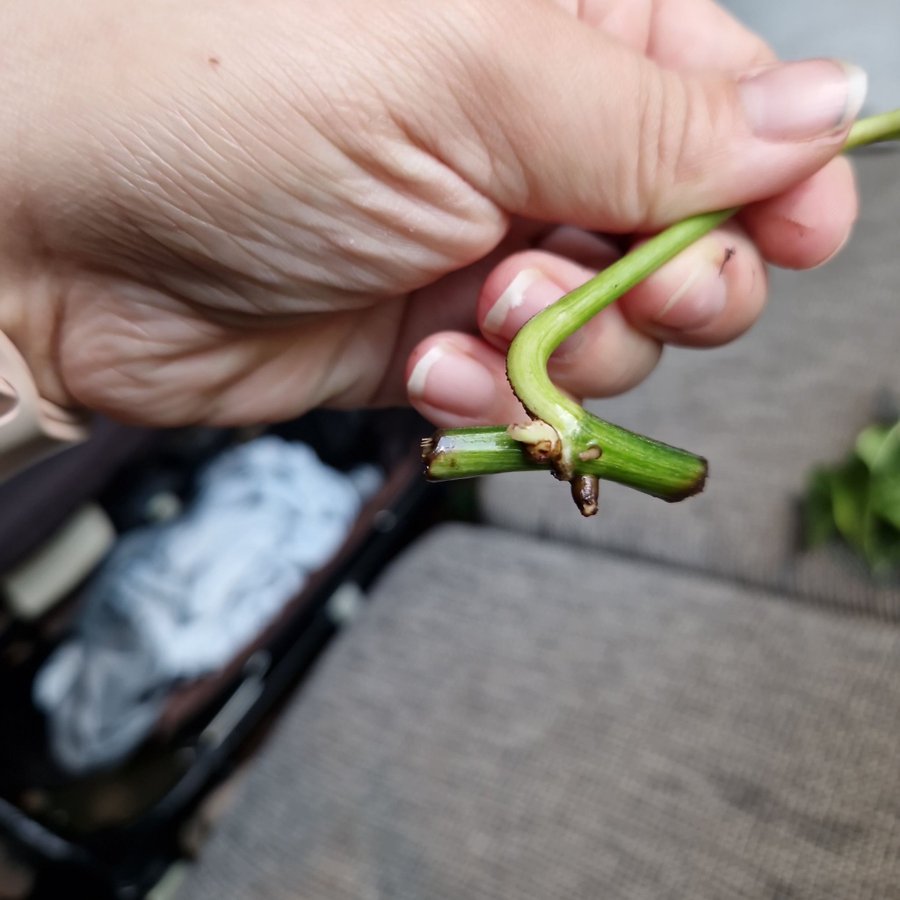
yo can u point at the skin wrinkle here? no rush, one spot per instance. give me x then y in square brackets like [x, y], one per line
[521, 190]
[150, 275]
[79, 352]
[422, 202]
[460, 229]
[389, 170]
[696, 121]
[126, 175]
[196, 166]
[330, 373]
[456, 232]
[413, 181]
[190, 270]
[193, 263]
[161, 352]
[376, 391]
[174, 363]
[668, 131]
[208, 143]
[489, 170]
[335, 159]
[195, 191]
[47, 320]
[244, 244]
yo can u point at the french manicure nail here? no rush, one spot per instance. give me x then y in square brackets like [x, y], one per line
[528, 293]
[449, 380]
[803, 100]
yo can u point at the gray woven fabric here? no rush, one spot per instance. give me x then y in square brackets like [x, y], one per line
[764, 410]
[516, 720]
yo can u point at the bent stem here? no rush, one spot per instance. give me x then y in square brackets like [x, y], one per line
[626, 457]
[574, 444]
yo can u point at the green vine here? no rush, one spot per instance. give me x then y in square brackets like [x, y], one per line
[562, 436]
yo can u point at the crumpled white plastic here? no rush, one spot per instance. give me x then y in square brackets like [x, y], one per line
[178, 600]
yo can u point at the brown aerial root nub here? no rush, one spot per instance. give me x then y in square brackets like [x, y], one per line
[542, 451]
[586, 494]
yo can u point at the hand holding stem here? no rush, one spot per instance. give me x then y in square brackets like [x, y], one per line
[577, 446]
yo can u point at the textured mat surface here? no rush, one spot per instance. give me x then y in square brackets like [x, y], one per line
[510, 719]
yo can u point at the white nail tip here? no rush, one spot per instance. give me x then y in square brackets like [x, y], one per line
[415, 385]
[857, 89]
[511, 298]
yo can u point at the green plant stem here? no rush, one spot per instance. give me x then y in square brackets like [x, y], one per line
[874, 130]
[585, 445]
[652, 467]
[626, 457]
[469, 452]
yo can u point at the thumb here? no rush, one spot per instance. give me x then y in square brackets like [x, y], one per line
[581, 129]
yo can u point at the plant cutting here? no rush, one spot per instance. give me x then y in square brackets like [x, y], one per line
[561, 436]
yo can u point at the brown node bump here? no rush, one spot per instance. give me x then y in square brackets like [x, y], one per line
[542, 451]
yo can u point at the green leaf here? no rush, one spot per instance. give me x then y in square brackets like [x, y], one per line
[818, 518]
[885, 499]
[849, 499]
[879, 448]
[858, 500]
[882, 552]
[870, 443]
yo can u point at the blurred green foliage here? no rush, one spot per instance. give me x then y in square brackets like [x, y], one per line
[858, 501]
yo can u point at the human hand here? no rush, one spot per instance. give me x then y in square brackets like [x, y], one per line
[225, 212]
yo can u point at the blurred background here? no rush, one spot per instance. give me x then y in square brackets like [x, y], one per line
[275, 663]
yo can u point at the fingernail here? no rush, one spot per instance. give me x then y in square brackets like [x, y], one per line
[837, 250]
[448, 379]
[803, 100]
[698, 289]
[528, 293]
